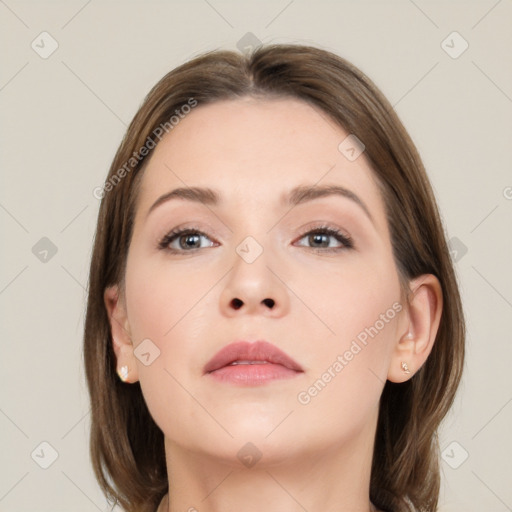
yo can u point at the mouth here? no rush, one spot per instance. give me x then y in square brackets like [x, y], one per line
[255, 363]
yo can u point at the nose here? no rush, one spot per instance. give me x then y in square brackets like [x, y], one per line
[255, 289]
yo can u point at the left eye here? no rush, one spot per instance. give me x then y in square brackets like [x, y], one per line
[326, 239]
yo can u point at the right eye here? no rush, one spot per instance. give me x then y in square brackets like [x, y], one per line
[184, 240]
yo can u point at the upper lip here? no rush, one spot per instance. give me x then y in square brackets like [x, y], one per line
[246, 351]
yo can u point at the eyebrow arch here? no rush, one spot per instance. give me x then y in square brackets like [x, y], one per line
[196, 194]
[302, 194]
[295, 197]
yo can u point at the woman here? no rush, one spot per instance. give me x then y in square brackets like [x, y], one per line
[273, 319]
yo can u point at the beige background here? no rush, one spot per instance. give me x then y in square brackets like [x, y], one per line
[63, 117]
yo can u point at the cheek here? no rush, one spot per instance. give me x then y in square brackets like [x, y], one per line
[348, 368]
[350, 296]
[160, 295]
[166, 305]
[358, 307]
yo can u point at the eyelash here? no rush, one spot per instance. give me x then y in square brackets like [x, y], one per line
[321, 230]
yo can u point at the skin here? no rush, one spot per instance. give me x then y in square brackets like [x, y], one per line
[315, 456]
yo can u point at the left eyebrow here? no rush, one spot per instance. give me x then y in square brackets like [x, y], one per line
[302, 194]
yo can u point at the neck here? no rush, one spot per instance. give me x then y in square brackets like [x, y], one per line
[335, 479]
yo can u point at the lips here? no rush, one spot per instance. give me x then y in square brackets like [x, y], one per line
[244, 353]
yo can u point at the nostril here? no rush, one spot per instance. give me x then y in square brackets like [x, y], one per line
[269, 302]
[236, 303]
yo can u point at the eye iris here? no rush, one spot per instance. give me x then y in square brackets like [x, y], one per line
[319, 239]
[190, 241]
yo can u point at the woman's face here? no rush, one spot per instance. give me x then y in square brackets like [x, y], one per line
[262, 262]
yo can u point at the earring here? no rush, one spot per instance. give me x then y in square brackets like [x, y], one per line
[123, 373]
[404, 366]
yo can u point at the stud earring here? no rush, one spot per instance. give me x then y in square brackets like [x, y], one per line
[405, 368]
[123, 373]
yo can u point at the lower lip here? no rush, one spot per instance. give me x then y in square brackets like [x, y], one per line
[252, 374]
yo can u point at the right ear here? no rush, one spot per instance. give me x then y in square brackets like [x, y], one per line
[119, 327]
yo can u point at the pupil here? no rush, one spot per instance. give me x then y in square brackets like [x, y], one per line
[319, 238]
[190, 240]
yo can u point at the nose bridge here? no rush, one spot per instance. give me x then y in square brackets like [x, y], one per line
[252, 287]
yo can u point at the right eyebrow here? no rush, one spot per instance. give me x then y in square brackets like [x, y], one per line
[196, 194]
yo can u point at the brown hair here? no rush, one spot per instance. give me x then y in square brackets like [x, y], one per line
[127, 447]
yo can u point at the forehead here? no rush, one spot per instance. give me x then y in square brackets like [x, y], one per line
[255, 150]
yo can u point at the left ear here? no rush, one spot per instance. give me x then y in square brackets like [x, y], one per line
[418, 334]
